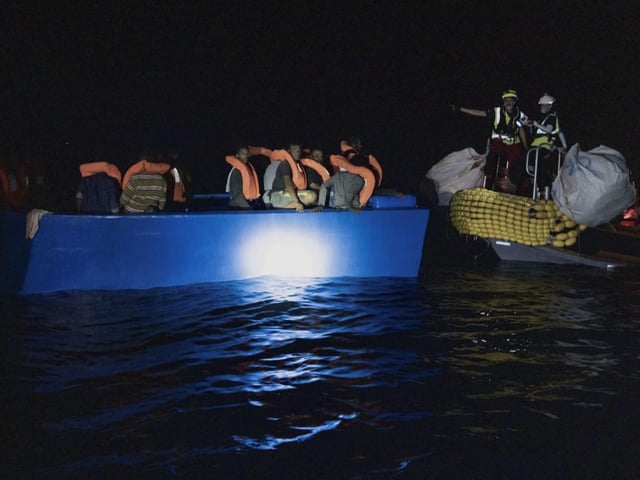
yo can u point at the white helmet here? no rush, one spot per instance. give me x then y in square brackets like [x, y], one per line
[546, 99]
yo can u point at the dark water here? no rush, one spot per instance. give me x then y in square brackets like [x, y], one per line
[505, 372]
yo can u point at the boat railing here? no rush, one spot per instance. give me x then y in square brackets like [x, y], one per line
[531, 165]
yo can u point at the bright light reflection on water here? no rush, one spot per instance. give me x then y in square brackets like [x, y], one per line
[270, 442]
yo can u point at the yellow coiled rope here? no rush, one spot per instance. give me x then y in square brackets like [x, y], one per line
[503, 216]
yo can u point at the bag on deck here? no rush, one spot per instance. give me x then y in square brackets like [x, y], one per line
[457, 171]
[593, 187]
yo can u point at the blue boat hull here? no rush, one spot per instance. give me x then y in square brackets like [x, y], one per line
[95, 252]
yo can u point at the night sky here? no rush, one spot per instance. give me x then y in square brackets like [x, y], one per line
[85, 83]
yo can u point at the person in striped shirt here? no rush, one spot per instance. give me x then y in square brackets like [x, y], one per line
[145, 191]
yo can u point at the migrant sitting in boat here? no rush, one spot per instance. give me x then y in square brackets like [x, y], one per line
[242, 182]
[353, 151]
[178, 182]
[285, 182]
[313, 163]
[144, 187]
[345, 189]
[99, 188]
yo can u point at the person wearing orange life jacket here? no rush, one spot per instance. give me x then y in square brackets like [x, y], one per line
[242, 182]
[508, 141]
[341, 164]
[352, 150]
[345, 190]
[314, 167]
[99, 189]
[177, 182]
[176, 189]
[285, 181]
[144, 188]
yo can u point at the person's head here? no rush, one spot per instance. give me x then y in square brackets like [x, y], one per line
[355, 142]
[317, 154]
[173, 155]
[242, 152]
[295, 149]
[546, 103]
[146, 155]
[509, 100]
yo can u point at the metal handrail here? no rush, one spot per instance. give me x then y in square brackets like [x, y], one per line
[533, 171]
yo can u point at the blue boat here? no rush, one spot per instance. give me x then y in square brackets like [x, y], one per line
[114, 252]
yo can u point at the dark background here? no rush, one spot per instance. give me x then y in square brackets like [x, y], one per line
[84, 83]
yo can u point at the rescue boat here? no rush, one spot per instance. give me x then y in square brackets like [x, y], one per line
[576, 221]
[517, 229]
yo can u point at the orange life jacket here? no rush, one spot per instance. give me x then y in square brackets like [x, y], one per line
[317, 166]
[179, 190]
[144, 166]
[373, 161]
[88, 169]
[339, 162]
[15, 193]
[298, 175]
[250, 185]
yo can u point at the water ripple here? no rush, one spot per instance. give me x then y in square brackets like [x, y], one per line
[374, 378]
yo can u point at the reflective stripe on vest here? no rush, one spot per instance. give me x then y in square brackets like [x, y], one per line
[506, 137]
[544, 139]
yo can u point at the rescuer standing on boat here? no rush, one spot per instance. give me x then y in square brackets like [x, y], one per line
[508, 141]
[548, 139]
